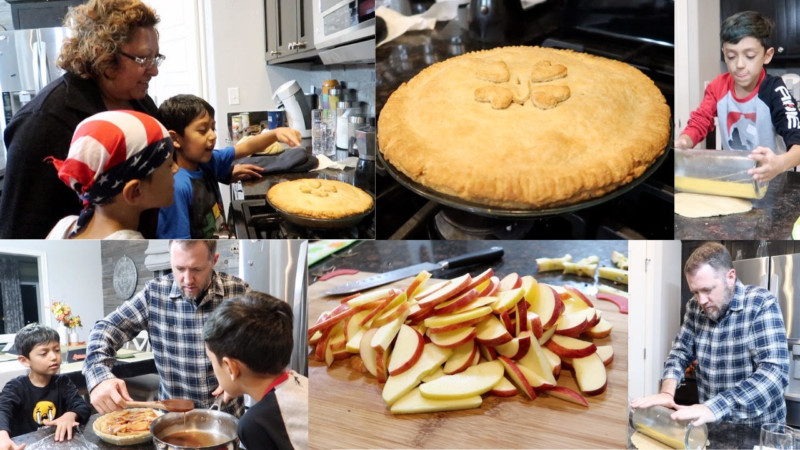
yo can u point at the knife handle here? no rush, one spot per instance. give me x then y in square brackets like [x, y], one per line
[486, 255]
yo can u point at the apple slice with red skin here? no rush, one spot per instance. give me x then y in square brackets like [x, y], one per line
[381, 341]
[568, 347]
[367, 353]
[418, 314]
[456, 303]
[553, 360]
[547, 305]
[337, 315]
[431, 289]
[495, 287]
[416, 285]
[488, 353]
[368, 299]
[534, 379]
[488, 287]
[406, 351]
[380, 306]
[461, 358]
[606, 354]
[505, 318]
[536, 360]
[517, 377]
[507, 300]
[504, 388]
[521, 313]
[517, 347]
[438, 324]
[510, 281]
[572, 324]
[568, 395]
[453, 338]
[396, 386]
[575, 292]
[480, 279]
[455, 286]
[590, 374]
[535, 324]
[601, 330]
[389, 315]
[353, 323]
[491, 332]
[546, 335]
[477, 303]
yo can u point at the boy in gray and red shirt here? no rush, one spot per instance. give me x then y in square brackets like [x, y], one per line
[753, 108]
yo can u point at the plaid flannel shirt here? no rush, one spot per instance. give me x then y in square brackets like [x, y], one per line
[175, 328]
[742, 359]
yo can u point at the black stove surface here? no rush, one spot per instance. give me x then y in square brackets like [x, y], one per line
[646, 212]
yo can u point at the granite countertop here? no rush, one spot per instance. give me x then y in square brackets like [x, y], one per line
[771, 217]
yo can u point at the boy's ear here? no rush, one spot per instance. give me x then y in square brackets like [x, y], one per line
[132, 192]
[232, 366]
[176, 139]
[24, 361]
[768, 56]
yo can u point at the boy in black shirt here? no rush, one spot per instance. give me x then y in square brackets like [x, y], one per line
[43, 397]
[249, 342]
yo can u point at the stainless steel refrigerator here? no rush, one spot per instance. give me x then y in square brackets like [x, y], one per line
[780, 274]
[27, 64]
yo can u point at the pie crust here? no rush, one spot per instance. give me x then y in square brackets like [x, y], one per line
[612, 125]
[319, 198]
[127, 426]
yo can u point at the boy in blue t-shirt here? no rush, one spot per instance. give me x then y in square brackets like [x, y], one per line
[197, 212]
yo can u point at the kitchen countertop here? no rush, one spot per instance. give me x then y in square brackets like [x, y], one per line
[772, 217]
[86, 434]
[725, 435]
[346, 404]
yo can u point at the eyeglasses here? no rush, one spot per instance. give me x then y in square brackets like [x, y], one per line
[147, 63]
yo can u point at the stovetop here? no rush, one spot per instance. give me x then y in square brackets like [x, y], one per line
[645, 212]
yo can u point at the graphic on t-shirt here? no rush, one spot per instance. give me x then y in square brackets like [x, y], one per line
[206, 215]
[742, 130]
[44, 410]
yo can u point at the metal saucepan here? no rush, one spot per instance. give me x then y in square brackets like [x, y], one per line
[208, 429]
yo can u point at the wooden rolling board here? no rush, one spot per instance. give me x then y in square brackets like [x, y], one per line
[346, 409]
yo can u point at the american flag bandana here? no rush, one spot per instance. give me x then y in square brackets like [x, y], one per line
[109, 149]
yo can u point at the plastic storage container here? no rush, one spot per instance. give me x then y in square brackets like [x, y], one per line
[717, 172]
[655, 422]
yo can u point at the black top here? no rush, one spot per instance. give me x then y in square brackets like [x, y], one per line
[262, 426]
[24, 406]
[33, 198]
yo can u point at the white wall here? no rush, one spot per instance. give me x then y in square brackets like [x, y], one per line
[72, 273]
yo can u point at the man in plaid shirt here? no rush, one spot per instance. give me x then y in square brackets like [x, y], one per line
[737, 335]
[172, 309]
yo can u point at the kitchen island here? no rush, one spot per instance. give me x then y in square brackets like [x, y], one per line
[80, 440]
[772, 217]
[347, 408]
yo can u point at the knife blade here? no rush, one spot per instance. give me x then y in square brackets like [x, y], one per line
[464, 260]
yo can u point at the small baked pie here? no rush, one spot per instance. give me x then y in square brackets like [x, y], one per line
[319, 198]
[126, 427]
[525, 127]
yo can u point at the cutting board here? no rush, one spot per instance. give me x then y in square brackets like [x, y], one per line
[346, 409]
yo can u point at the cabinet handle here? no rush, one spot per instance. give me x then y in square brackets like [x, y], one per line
[300, 45]
[273, 52]
[291, 45]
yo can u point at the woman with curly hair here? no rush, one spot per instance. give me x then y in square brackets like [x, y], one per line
[109, 59]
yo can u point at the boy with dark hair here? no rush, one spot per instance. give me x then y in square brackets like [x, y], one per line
[249, 341]
[753, 108]
[42, 397]
[197, 212]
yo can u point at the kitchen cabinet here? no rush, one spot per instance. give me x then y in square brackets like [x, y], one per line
[27, 15]
[785, 13]
[289, 30]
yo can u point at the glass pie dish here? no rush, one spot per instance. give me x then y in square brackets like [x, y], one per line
[717, 172]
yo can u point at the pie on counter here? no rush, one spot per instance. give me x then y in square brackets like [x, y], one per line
[127, 426]
[319, 198]
[525, 127]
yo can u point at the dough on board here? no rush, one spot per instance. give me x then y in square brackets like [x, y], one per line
[702, 205]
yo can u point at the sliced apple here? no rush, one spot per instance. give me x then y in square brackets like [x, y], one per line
[360, 300]
[534, 379]
[416, 286]
[535, 324]
[590, 374]
[554, 361]
[397, 386]
[601, 330]
[381, 342]
[450, 290]
[389, 315]
[354, 343]
[337, 315]
[606, 354]
[414, 403]
[491, 332]
[353, 323]
[475, 380]
[578, 295]
[547, 305]
[367, 353]
[453, 338]
[461, 358]
[438, 324]
[406, 351]
[546, 335]
[537, 361]
[510, 281]
[521, 314]
[517, 347]
[431, 289]
[572, 324]
[568, 347]
[477, 303]
[516, 377]
[506, 300]
[480, 279]
[488, 353]
[488, 287]
[439, 372]
[568, 395]
[504, 388]
[495, 287]
[456, 302]
[505, 318]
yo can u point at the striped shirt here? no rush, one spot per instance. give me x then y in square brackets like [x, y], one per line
[175, 328]
[742, 359]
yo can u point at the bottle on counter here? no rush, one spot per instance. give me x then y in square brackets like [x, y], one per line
[327, 85]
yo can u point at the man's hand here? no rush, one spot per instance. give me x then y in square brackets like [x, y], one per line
[699, 413]
[684, 141]
[661, 399]
[288, 136]
[109, 395]
[7, 444]
[243, 172]
[771, 164]
[225, 396]
[64, 425]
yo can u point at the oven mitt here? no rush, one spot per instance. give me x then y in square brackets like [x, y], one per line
[292, 160]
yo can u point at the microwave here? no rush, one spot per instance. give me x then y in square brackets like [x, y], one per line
[341, 22]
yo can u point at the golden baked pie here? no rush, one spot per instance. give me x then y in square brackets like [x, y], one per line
[319, 198]
[127, 426]
[525, 127]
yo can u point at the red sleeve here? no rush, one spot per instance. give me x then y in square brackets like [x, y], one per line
[701, 121]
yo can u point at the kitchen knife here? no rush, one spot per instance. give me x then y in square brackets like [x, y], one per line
[486, 255]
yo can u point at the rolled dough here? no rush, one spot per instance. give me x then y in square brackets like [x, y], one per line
[702, 205]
